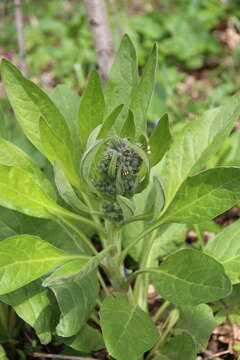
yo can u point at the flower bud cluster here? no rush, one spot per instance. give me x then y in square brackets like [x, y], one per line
[118, 169]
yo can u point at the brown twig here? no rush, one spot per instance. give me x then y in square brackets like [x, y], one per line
[218, 354]
[56, 356]
[20, 35]
[102, 35]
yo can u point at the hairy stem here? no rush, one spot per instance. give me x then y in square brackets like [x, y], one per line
[141, 285]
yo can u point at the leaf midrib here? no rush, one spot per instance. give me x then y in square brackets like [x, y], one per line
[189, 205]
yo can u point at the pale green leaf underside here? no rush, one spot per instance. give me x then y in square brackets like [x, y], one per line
[76, 296]
[33, 305]
[204, 196]
[225, 248]
[127, 330]
[86, 340]
[190, 277]
[25, 258]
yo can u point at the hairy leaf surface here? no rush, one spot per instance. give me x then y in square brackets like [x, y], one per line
[190, 277]
[25, 258]
[133, 331]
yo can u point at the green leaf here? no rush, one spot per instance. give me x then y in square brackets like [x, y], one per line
[182, 344]
[128, 128]
[20, 191]
[91, 108]
[160, 140]
[190, 277]
[57, 151]
[126, 205]
[33, 305]
[13, 223]
[30, 104]
[133, 332]
[194, 145]
[199, 322]
[229, 308]
[142, 94]
[68, 101]
[74, 271]
[88, 161]
[66, 190]
[11, 155]
[169, 238]
[86, 340]
[25, 258]
[159, 201]
[109, 122]
[3, 355]
[225, 248]
[76, 295]
[123, 76]
[204, 196]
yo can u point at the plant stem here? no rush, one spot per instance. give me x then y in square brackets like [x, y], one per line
[83, 220]
[57, 356]
[160, 311]
[141, 285]
[113, 267]
[81, 235]
[135, 241]
[199, 236]
[104, 286]
[166, 329]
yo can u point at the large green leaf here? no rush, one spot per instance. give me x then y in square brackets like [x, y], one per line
[91, 108]
[204, 196]
[199, 322]
[13, 223]
[20, 191]
[182, 344]
[25, 258]
[88, 339]
[11, 155]
[76, 295]
[194, 145]
[33, 305]
[225, 248]
[123, 76]
[142, 94]
[30, 104]
[127, 330]
[190, 277]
